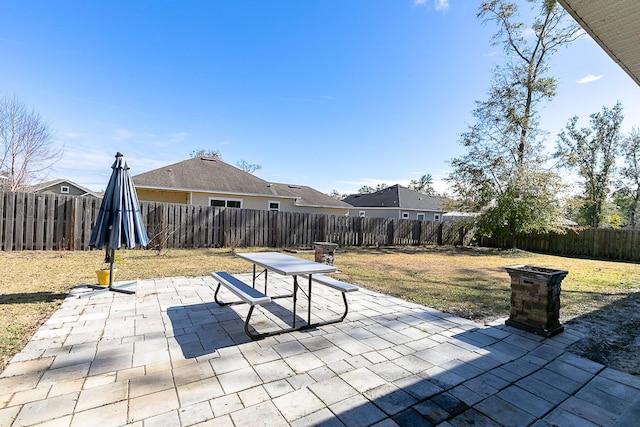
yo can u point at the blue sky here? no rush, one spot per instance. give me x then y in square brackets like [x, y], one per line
[334, 94]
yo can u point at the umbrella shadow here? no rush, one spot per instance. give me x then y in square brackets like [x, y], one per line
[31, 297]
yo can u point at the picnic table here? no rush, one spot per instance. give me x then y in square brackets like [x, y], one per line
[285, 265]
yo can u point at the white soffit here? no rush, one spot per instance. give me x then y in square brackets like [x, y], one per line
[615, 26]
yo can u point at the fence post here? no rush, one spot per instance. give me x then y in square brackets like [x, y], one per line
[72, 225]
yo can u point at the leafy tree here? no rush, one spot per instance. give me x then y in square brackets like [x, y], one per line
[27, 150]
[627, 197]
[248, 167]
[201, 152]
[336, 195]
[592, 152]
[367, 189]
[527, 203]
[502, 175]
[423, 185]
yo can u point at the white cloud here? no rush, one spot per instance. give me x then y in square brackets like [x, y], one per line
[441, 4]
[178, 136]
[122, 134]
[589, 78]
[437, 4]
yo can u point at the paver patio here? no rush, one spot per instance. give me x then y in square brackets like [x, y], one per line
[169, 356]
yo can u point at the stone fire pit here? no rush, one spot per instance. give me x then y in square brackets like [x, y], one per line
[535, 299]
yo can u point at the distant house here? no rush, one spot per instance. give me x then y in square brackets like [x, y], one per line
[453, 216]
[62, 186]
[206, 181]
[396, 202]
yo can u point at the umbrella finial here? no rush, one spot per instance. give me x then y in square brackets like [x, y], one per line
[118, 154]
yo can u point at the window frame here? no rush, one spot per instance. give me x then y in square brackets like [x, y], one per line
[276, 202]
[225, 201]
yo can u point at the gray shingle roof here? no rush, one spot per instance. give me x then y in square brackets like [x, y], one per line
[215, 176]
[395, 196]
[48, 184]
[207, 175]
[311, 197]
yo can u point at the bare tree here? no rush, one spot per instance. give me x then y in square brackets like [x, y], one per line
[26, 141]
[201, 152]
[248, 167]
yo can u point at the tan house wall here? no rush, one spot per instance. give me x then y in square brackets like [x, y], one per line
[248, 202]
[163, 196]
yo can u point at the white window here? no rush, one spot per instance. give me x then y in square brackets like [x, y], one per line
[225, 203]
[436, 217]
[274, 206]
[361, 214]
[405, 215]
[64, 189]
[422, 216]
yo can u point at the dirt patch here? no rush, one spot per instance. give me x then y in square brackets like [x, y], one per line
[612, 334]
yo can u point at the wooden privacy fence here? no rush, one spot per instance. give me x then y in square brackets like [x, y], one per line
[32, 221]
[599, 243]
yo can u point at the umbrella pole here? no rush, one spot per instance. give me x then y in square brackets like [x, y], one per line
[111, 261]
[109, 257]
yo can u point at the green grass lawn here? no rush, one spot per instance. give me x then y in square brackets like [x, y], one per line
[469, 282]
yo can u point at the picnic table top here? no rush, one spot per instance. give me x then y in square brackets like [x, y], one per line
[286, 265]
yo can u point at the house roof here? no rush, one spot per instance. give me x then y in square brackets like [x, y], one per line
[614, 26]
[52, 183]
[205, 174]
[308, 196]
[395, 196]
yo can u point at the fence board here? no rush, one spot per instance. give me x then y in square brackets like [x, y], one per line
[18, 234]
[30, 221]
[40, 222]
[10, 207]
[3, 215]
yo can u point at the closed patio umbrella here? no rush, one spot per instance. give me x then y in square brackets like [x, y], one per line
[118, 222]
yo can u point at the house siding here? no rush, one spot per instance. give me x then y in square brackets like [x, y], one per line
[393, 213]
[57, 189]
